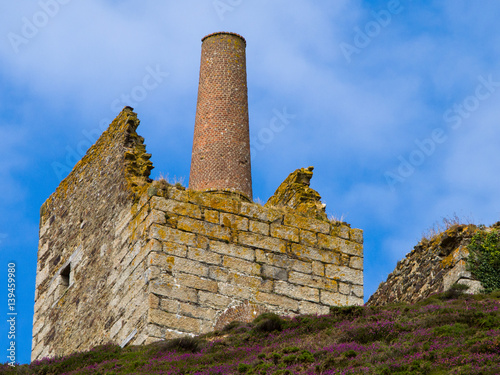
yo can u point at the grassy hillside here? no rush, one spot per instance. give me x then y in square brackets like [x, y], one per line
[451, 333]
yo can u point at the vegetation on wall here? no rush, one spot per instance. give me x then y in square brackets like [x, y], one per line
[484, 259]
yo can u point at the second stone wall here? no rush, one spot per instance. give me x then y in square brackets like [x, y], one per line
[214, 259]
[433, 266]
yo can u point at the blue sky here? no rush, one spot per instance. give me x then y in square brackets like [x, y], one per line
[395, 103]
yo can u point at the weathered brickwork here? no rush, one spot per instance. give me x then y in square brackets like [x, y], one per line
[128, 260]
[221, 144]
[433, 266]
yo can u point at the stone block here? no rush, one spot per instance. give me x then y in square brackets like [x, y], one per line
[262, 242]
[260, 213]
[204, 256]
[219, 274]
[115, 328]
[232, 250]
[190, 266]
[313, 308]
[296, 291]
[357, 290]
[139, 216]
[174, 291]
[341, 245]
[202, 242]
[308, 223]
[274, 273]
[344, 274]
[333, 299]
[37, 350]
[356, 263]
[277, 300]
[282, 261]
[196, 282]
[314, 254]
[212, 216]
[344, 288]
[138, 233]
[308, 238]
[456, 273]
[139, 253]
[252, 282]
[340, 230]
[37, 326]
[258, 227]
[284, 232]
[156, 333]
[163, 261]
[318, 268]
[178, 194]
[356, 235]
[156, 217]
[196, 311]
[355, 301]
[475, 286]
[143, 200]
[215, 300]
[43, 229]
[123, 221]
[237, 264]
[153, 301]
[176, 249]
[168, 234]
[204, 228]
[207, 326]
[170, 305]
[312, 281]
[176, 207]
[234, 222]
[223, 204]
[235, 291]
[174, 321]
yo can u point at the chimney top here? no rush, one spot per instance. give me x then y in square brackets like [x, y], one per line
[223, 32]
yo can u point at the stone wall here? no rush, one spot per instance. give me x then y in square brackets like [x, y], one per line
[432, 267]
[128, 260]
[214, 257]
[90, 248]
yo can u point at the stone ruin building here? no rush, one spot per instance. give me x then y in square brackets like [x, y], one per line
[128, 260]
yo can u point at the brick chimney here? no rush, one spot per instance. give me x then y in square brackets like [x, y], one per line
[221, 145]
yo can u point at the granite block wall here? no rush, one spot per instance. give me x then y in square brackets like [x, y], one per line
[128, 260]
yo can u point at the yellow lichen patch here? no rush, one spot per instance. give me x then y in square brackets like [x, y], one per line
[454, 257]
[296, 194]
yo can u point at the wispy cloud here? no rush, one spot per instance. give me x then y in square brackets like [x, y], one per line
[352, 119]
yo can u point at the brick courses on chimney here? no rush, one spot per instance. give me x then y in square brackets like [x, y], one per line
[221, 144]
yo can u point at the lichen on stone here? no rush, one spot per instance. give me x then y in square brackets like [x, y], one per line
[295, 193]
[137, 164]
